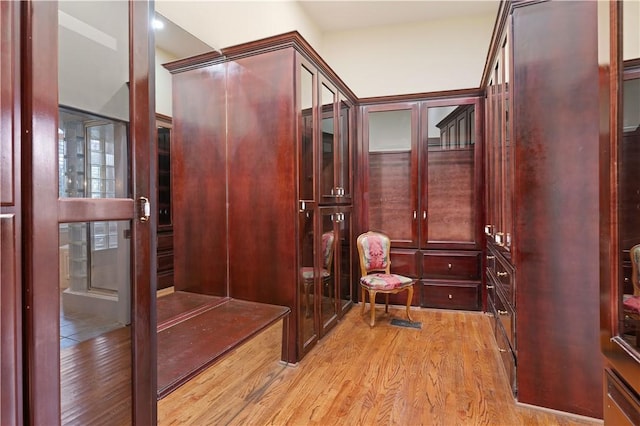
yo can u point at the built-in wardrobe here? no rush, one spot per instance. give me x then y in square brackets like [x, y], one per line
[541, 202]
[420, 182]
[619, 210]
[262, 153]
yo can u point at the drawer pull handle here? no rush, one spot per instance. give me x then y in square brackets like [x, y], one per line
[502, 312]
[501, 274]
[490, 257]
[450, 297]
[449, 266]
[489, 286]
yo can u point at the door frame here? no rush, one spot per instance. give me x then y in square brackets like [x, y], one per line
[43, 211]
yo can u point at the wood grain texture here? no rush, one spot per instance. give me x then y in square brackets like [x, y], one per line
[361, 375]
[199, 169]
[555, 90]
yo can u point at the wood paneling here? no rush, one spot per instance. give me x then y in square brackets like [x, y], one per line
[555, 90]
[11, 405]
[199, 170]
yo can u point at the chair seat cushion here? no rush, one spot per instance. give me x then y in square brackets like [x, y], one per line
[307, 273]
[385, 281]
[632, 303]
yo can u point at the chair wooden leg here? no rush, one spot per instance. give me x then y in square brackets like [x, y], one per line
[386, 303]
[372, 302]
[363, 299]
[409, 299]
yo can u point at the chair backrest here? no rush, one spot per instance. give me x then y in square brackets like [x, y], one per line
[373, 250]
[634, 253]
[328, 239]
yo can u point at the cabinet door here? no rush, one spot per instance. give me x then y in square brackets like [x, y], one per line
[306, 99]
[343, 157]
[328, 129]
[390, 136]
[307, 287]
[449, 200]
[344, 247]
[328, 251]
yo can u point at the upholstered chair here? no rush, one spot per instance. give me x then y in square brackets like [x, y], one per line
[376, 276]
[308, 274]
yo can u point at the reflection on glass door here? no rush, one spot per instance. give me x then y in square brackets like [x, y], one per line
[95, 246]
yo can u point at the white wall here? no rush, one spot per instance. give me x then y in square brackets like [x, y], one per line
[631, 29]
[403, 59]
[228, 23]
[163, 82]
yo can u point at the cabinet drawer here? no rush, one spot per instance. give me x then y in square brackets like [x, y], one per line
[505, 318]
[165, 262]
[403, 262]
[451, 265]
[508, 359]
[451, 295]
[622, 404]
[165, 280]
[165, 242]
[504, 281]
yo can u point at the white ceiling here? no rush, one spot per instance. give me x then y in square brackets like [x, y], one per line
[333, 15]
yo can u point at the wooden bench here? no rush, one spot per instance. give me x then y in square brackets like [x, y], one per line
[194, 331]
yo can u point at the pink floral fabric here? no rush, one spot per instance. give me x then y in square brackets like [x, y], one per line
[327, 247]
[376, 252]
[385, 281]
[632, 303]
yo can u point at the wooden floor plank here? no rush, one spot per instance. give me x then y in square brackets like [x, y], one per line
[447, 373]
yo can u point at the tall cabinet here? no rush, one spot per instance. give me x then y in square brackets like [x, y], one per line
[541, 265]
[262, 144]
[619, 204]
[422, 176]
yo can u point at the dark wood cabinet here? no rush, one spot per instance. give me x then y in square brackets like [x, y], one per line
[164, 235]
[423, 165]
[261, 135]
[541, 202]
[619, 205]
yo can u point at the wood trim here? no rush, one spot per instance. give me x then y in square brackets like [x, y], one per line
[164, 119]
[499, 28]
[90, 209]
[144, 177]
[415, 97]
[277, 42]
[39, 123]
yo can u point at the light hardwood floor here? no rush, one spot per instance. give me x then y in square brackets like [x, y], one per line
[446, 373]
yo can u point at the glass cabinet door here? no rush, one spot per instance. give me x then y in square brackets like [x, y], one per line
[343, 151]
[327, 294]
[306, 125]
[344, 247]
[391, 134]
[448, 200]
[308, 322]
[328, 131]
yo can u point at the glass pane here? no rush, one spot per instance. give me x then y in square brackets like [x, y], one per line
[164, 175]
[343, 245]
[450, 175]
[629, 219]
[327, 132]
[308, 327]
[327, 273]
[99, 145]
[390, 208]
[344, 167]
[95, 305]
[306, 142]
[93, 162]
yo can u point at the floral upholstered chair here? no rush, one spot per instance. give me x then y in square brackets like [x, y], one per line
[308, 275]
[375, 267]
